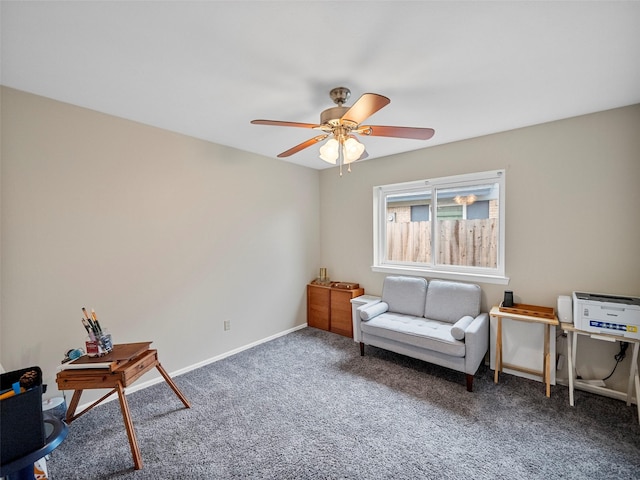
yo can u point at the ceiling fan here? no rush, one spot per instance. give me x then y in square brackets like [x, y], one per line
[341, 123]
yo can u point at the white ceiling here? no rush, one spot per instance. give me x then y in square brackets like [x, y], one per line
[207, 68]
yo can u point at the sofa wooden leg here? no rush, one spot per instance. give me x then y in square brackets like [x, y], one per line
[361, 349]
[469, 383]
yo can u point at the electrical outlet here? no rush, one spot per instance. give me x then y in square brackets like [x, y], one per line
[227, 325]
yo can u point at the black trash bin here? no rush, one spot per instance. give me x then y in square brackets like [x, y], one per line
[23, 428]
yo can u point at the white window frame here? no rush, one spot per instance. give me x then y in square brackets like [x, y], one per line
[452, 272]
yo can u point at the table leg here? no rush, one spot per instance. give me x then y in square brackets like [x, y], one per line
[128, 423]
[173, 386]
[638, 393]
[546, 374]
[570, 359]
[73, 405]
[632, 374]
[498, 349]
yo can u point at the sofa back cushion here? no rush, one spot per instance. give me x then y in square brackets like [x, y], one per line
[450, 301]
[406, 295]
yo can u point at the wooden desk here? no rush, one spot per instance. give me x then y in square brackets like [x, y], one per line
[572, 347]
[546, 362]
[116, 370]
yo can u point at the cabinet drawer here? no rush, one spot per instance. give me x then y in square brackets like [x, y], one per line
[341, 322]
[86, 379]
[318, 306]
[138, 367]
[318, 296]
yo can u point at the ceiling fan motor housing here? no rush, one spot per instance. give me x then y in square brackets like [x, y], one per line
[332, 116]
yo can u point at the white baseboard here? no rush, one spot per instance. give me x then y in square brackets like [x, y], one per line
[159, 379]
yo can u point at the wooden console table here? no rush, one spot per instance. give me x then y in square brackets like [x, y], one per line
[546, 362]
[116, 370]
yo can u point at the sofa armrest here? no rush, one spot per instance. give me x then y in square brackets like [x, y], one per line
[372, 310]
[364, 310]
[477, 342]
[459, 329]
[356, 306]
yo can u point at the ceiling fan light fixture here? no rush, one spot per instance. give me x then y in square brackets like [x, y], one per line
[329, 152]
[353, 150]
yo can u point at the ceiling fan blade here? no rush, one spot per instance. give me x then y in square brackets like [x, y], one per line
[303, 145]
[400, 132]
[367, 105]
[278, 123]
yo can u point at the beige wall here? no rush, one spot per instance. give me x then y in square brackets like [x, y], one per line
[572, 205]
[165, 236]
[572, 219]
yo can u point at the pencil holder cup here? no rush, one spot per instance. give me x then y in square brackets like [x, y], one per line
[100, 346]
[104, 343]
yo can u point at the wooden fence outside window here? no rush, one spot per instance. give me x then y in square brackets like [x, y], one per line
[471, 243]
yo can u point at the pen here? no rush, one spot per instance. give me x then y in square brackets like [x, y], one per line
[94, 326]
[95, 320]
[88, 329]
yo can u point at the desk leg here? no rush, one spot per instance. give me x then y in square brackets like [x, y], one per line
[498, 359]
[128, 423]
[570, 359]
[638, 393]
[634, 378]
[173, 386]
[632, 374]
[546, 364]
[73, 405]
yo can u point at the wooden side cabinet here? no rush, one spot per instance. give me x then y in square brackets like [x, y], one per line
[329, 308]
[318, 306]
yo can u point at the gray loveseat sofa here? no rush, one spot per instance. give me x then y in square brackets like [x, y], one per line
[437, 321]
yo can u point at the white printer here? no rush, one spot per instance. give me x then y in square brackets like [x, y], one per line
[600, 313]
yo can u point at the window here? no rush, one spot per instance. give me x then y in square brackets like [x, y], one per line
[450, 227]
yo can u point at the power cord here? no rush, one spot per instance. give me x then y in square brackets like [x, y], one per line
[619, 357]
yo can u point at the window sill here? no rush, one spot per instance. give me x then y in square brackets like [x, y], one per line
[443, 274]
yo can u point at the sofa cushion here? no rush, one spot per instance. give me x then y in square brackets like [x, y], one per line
[405, 295]
[416, 331]
[450, 301]
[459, 328]
[369, 311]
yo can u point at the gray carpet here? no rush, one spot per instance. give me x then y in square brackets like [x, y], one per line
[307, 406]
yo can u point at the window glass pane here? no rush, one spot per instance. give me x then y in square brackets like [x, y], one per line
[450, 227]
[468, 225]
[420, 213]
[408, 229]
[451, 212]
